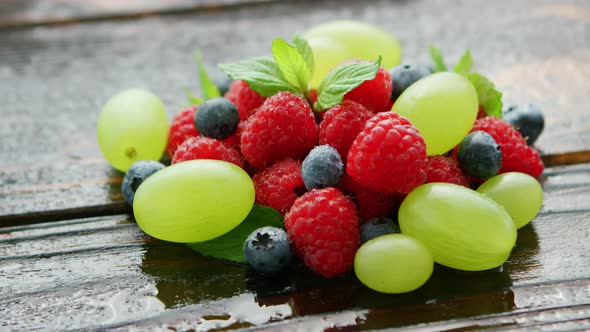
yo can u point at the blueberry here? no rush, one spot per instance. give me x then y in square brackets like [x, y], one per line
[375, 227]
[268, 250]
[223, 84]
[404, 75]
[527, 119]
[136, 174]
[217, 118]
[322, 168]
[479, 155]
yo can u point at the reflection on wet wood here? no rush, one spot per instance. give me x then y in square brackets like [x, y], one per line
[105, 272]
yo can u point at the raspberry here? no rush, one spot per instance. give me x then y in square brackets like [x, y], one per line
[245, 99]
[517, 156]
[277, 185]
[201, 147]
[389, 155]
[324, 229]
[341, 124]
[374, 94]
[283, 127]
[370, 204]
[234, 139]
[181, 128]
[445, 169]
[481, 113]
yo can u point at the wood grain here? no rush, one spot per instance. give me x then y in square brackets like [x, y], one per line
[17, 14]
[55, 78]
[105, 272]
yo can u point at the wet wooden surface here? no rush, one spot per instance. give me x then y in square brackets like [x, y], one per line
[100, 271]
[62, 273]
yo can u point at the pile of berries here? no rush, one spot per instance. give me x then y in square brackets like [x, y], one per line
[339, 176]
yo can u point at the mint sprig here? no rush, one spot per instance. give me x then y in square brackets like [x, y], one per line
[262, 75]
[229, 246]
[342, 79]
[292, 67]
[292, 64]
[489, 97]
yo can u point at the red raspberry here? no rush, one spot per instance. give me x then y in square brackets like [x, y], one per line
[283, 127]
[341, 124]
[389, 155]
[181, 128]
[201, 147]
[445, 169]
[374, 94]
[517, 156]
[481, 113]
[370, 204]
[234, 139]
[324, 229]
[245, 99]
[277, 185]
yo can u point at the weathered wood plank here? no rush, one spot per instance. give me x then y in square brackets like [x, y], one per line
[55, 79]
[104, 272]
[31, 13]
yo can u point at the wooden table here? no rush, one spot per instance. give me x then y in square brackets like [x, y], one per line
[71, 257]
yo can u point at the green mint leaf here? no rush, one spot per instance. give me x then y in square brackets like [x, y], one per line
[209, 88]
[262, 75]
[229, 246]
[465, 63]
[192, 99]
[291, 64]
[343, 79]
[437, 58]
[306, 52]
[489, 97]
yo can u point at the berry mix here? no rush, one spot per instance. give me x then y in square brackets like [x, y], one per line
[377, 170]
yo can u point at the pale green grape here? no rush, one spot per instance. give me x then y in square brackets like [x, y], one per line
[327, 54]
[393, 263]
[520, 194]
[193, 201]
[132, 126]
[362, 40]
[443, 106]
[461, 228]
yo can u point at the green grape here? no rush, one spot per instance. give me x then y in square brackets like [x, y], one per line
[443, 106]
[327, 54]
[363, 41]
[393, 263]
[520, 194]
[193, 201]
[462, 228]
[132, 126]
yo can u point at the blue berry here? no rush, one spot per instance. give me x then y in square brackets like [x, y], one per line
[404, 75]
[217, 118]
[375, 227]
[322, 168]
[223, 84]
[136, 174]
[479, 155]
[268, 250]
[527, 119]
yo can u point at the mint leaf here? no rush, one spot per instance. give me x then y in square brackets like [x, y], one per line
[229, 246]
[343, 79]
[437, 58]
[291, 64]
[489, 97]
[306, 52]
[465, 63]
[209, 88]
[192, 99]
[262, 75]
